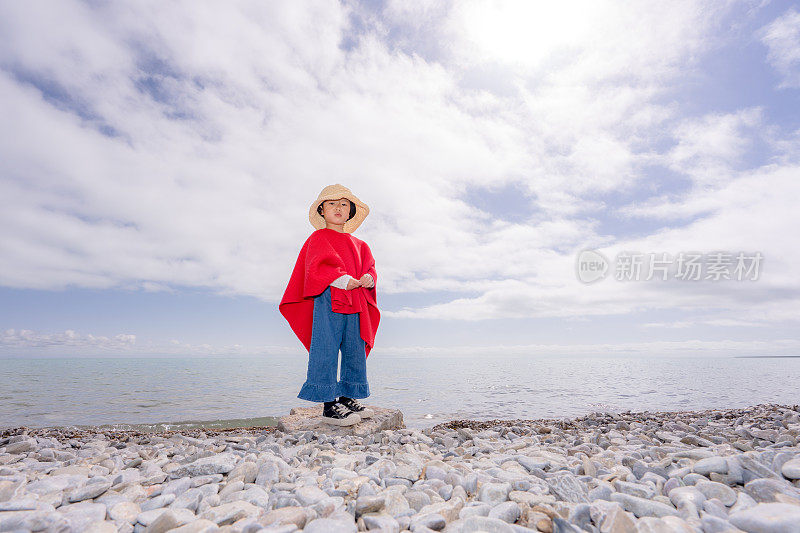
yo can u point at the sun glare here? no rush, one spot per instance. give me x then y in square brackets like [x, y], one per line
[524, 32]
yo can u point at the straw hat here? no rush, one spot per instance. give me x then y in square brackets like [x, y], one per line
[334, 192]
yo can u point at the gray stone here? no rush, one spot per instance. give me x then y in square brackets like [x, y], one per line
[580, 516]
[230, 488]
[532, 463]
[602, 491]
[396, 481]
[433, 521]
[715, 507]
[38, 520]
[692, 495]
[743, 501]
[292, 514]
[330, 525]
[148, 517]
[268, 473]
[642, 507]
[177, 486]
[715, 524]
[417, 499]
[407, 471]
[220, 463]
[309, 494]
[124, 511]
[167, 520]
[791, 468]
[694, 440]
[228, 513]
[421, 529]
[755, 467]
[26, 504]
[255, 495]
[162, 500]
[470, 483]
[611, 517]
[111, 498]
[381, 521]
[396, 503]
[485, 524]
[106, 527]
[449, 510]
[780, 459]
[21, 446]
[92, 489]
[562, 526]
[310, 419]
[81, 514]
[568, 488]
[54, 483]
[763, 490]
[735, 475]
[651, 478]
[10, 489]
[188, 500]
[712, 489]
[635, 489]
[246, 471]
[768, 518]
[476, 509]
[711, 464]
[200, 480]
[369, 504]
[693, 454]
[494, 493]
[435, 472]
[506, 511]
[694, 477]
[207, 526]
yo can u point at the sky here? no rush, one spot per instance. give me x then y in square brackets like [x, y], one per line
[158, 160]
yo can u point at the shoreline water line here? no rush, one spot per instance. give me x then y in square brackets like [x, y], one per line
[270, 423]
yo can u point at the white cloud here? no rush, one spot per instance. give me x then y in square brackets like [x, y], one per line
[711, 147]
[26, 342]
[229, 119]
[748, 215]
[782, 38]
[12, 340]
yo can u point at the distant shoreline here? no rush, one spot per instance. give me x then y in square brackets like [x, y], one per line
[765, 356]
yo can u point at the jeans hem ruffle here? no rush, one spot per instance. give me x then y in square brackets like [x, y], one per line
[319, 393]
[353, 390]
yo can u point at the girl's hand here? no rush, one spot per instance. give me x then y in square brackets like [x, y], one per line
[367, 282]
[352, 283]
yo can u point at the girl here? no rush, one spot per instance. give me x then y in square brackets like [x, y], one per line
[330, 304]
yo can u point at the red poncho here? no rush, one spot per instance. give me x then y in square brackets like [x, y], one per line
[326, 255]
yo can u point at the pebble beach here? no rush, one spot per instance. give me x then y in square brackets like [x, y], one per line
[708, 471]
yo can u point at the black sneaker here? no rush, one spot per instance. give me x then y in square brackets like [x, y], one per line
[356, 407]
[339, 415]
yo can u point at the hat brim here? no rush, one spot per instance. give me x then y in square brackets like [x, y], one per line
[318, 221]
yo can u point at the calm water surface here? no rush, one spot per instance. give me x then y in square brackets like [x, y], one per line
[244, 391]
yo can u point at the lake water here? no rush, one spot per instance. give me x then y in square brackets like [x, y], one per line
[245, 391]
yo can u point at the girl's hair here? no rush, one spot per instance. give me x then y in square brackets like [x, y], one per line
[352, 208]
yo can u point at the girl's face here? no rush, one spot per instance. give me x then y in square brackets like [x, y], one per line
[336, 212]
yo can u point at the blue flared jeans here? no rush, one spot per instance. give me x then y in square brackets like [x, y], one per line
[330, 333]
